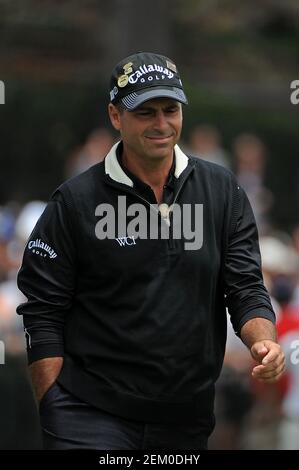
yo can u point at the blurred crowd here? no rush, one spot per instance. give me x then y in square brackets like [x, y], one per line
[248, 415]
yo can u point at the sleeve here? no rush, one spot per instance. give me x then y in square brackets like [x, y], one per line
[47, 279]
[245, 293]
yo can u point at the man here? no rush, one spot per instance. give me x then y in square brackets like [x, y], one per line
[126, 319]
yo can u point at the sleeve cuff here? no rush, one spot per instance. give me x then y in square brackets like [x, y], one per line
[255, 313]
[44, 350]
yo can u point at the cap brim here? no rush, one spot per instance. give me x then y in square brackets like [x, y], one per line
[133, 100]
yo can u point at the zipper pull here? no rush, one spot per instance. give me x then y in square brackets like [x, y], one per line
[165, 210]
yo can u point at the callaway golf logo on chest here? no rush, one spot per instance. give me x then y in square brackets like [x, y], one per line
[41, 248]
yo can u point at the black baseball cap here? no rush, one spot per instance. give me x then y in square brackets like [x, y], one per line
[143, 76]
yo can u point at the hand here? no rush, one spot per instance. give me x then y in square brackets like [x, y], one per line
[271, 361]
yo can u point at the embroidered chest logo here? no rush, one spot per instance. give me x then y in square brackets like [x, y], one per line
[123, 241]
[42, 249]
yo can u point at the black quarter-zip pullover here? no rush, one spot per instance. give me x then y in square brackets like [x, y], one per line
[141, 323]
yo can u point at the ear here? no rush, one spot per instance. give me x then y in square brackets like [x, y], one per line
[114, 115]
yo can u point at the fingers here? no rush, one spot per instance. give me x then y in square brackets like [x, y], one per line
[266, 352]
[270, 380]
[269, 375]
[259, 351]
[271, 361]
[272, 355]
[263, 372]
[271, 366]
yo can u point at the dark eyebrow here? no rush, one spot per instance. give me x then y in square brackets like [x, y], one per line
[144, 108]
[173, 105]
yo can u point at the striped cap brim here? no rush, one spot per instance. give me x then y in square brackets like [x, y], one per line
[135, 99]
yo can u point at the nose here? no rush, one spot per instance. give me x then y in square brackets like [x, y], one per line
[160, 120]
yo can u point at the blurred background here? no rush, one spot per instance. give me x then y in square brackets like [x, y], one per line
[237, 60]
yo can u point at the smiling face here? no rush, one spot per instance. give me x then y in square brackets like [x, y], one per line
[150, 131]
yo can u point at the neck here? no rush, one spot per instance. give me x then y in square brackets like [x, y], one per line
[152, 172]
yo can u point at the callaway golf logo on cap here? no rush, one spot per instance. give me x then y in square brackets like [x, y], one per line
[143, 76]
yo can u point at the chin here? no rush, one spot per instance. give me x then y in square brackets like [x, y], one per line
[164, 149]
[160, 153]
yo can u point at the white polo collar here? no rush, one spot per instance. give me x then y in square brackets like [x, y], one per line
[115, 171]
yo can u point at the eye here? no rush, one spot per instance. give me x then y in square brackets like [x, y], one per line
[172, 110]
[143, 112]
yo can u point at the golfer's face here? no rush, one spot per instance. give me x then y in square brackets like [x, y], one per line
[152, 129]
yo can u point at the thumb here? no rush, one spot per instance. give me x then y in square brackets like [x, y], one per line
[259, 351]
